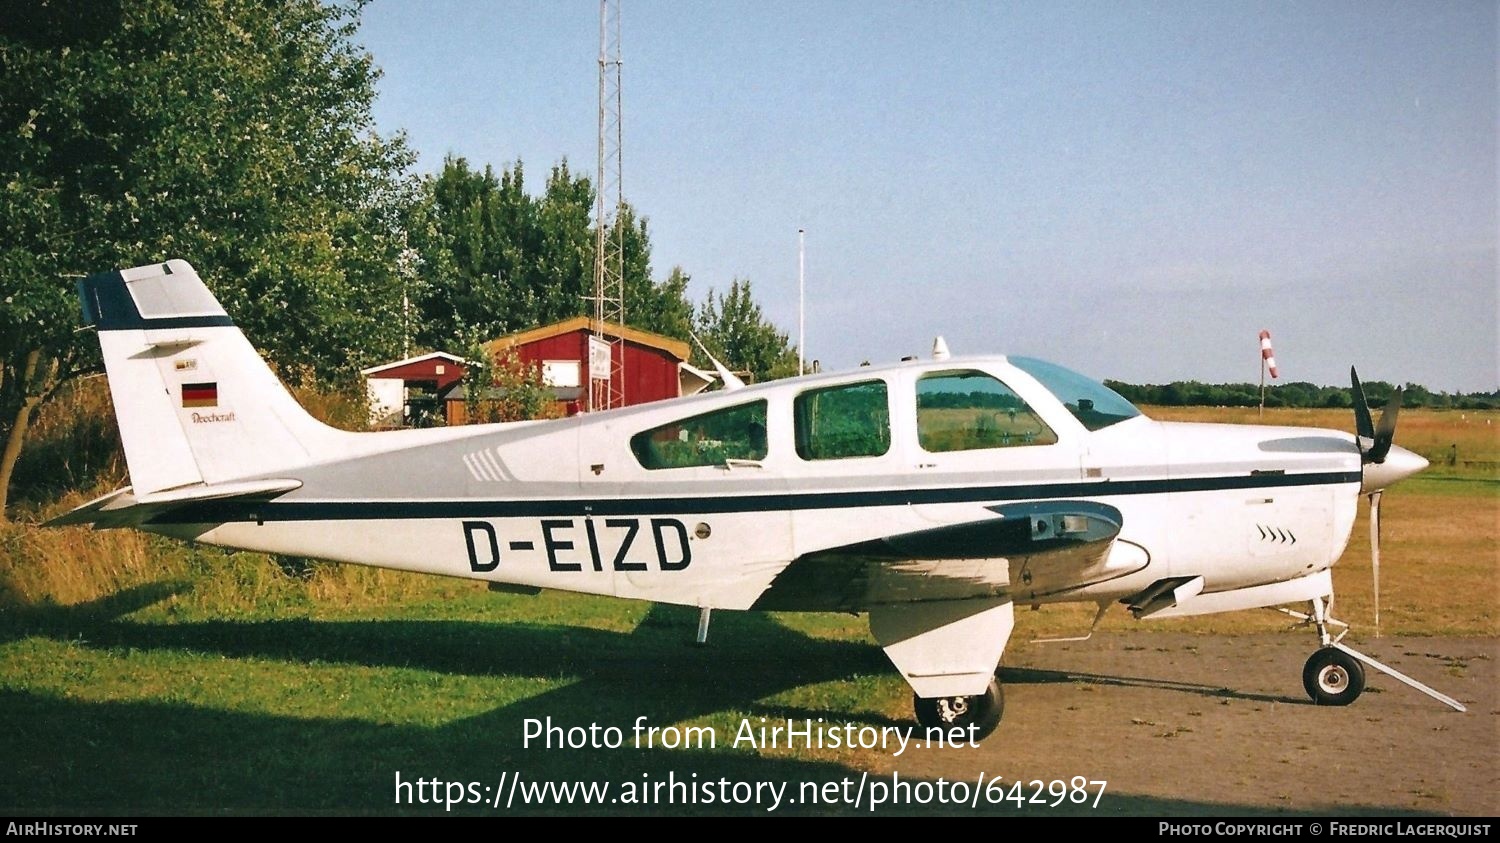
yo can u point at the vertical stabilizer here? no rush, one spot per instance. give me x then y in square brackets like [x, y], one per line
[194, 401]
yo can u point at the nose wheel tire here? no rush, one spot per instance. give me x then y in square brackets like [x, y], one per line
[982, 711]
[1333, 677]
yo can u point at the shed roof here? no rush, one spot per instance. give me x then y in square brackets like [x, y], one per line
[383, 367]
[676, 348]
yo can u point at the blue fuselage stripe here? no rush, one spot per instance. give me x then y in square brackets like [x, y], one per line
[216, 512]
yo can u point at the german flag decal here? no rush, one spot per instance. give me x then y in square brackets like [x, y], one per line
[200, 394]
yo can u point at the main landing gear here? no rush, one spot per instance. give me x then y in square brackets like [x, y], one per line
[981, 711]
[1335, 674]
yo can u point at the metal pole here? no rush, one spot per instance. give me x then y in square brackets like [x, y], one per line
[601, 225]
[609, 235]
[801, 286]
[1262, 387]
[405, 320]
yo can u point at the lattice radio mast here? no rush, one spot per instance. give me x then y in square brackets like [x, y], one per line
[609, 237]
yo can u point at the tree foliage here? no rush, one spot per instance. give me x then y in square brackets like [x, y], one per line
[735, 330]
[497, 259]
[235, 134]
[502, 387]
[663, 307]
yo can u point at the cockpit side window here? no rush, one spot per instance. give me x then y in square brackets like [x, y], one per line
[838, 422]
[969, 410]
[733, 433]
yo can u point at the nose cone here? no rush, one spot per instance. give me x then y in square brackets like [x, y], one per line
[1399, 464]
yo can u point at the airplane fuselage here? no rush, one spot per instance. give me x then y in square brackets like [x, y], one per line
[569, 504]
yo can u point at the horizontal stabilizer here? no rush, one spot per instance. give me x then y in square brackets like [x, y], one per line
[122, 508]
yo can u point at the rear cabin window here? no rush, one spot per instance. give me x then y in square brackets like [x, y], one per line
[853, 420]
[968, 410]
[734, 433]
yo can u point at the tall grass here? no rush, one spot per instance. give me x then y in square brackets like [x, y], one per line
[72, 446]
[42, 567]
[64, 567]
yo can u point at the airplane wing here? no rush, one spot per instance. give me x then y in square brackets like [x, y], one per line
[1022, 551]
[123, 508]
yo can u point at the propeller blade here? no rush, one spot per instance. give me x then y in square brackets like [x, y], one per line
[1363, 426]
[1375, 553]
[1385, 434]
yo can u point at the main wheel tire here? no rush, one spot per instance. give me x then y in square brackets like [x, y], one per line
[982, 711]
[1333, 677]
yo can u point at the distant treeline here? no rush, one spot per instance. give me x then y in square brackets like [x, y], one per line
[1297, 394]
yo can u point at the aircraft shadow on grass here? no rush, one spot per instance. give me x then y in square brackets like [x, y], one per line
[167, 757]
[1042, 676]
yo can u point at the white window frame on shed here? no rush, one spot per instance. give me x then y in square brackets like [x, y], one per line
[564, 373]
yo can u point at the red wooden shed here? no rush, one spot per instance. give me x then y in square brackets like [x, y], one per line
[655, 366]
[402, 389]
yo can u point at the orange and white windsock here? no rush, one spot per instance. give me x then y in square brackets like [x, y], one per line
[1265, 352]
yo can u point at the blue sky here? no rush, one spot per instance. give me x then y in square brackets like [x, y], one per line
[1131, 189]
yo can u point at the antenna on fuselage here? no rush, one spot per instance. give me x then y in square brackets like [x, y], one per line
[940, 348]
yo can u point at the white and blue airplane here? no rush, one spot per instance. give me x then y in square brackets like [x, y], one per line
[934, 495]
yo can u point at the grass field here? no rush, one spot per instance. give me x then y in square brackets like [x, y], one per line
[141, 676]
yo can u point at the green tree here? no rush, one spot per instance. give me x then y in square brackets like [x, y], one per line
[662, 307]
[562, 260]
[472, 232]
[235, 134]
[1417, 395]
[501, 387]
[1336, 398]
[499, 260]
[735, 330]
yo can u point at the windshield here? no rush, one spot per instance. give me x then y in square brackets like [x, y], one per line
[1092, 403]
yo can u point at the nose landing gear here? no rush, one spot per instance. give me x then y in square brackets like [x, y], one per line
[1335, 673]
[1333, 677]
